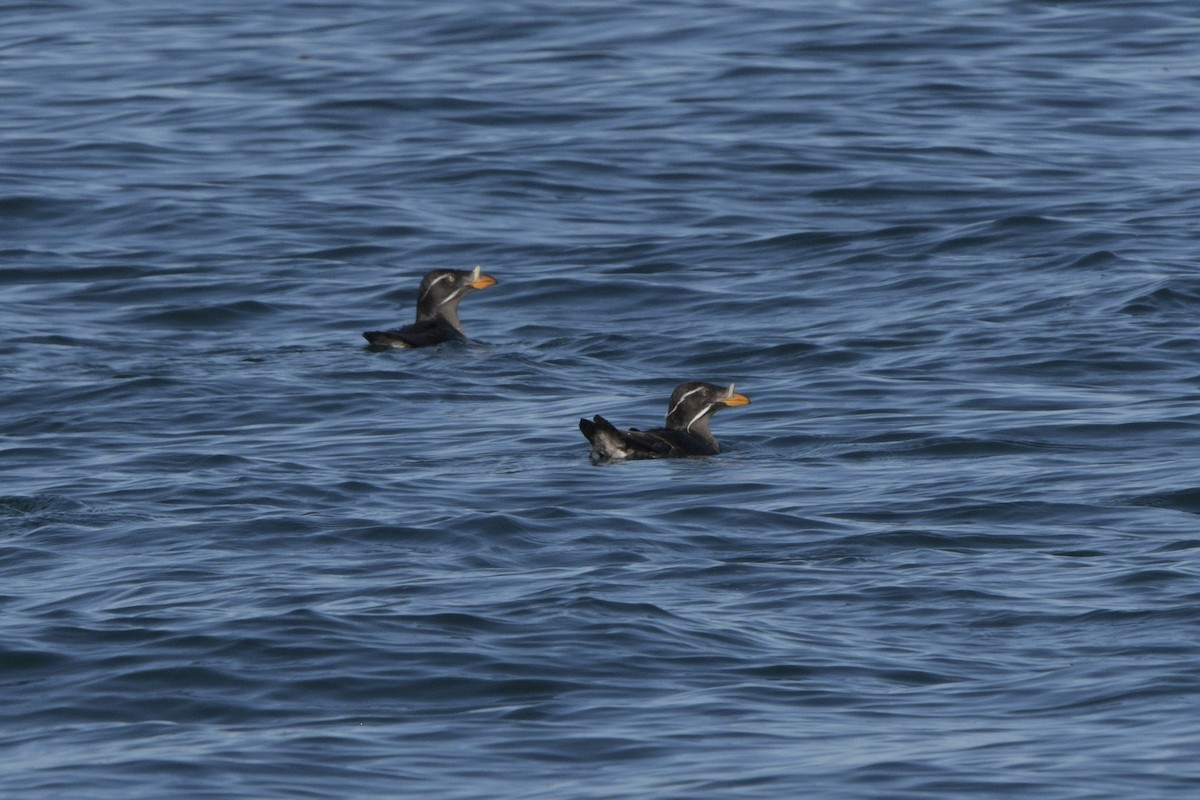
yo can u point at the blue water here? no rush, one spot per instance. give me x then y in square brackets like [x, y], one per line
[949, 252]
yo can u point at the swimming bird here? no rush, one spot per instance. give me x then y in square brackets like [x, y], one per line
[686, 432]
[437, 310]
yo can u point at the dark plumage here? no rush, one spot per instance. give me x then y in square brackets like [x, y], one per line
[437, 310]
[686, 432]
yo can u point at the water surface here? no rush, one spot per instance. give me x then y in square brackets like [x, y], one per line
[948, 551]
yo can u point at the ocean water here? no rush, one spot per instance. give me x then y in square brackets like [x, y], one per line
[950, 253]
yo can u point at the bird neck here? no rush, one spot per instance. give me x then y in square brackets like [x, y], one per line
[693, 421]
[447, 313]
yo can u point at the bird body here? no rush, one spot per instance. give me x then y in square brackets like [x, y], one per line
[686, 432]
[437, 310]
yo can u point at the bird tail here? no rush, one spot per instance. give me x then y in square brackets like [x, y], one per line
[607, 441]
[383, 339]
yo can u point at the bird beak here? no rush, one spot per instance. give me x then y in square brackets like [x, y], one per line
[733, 398]
[479, 280]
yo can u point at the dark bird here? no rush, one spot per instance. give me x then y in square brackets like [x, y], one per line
[437, 310]
[686, 432]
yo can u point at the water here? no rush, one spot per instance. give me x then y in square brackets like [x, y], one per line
[948, 551]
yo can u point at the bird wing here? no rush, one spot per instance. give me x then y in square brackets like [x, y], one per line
[665, 442]
[609, 442]
[419, 334]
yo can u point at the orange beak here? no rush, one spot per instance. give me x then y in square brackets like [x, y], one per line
[733, 398]
[481, 281]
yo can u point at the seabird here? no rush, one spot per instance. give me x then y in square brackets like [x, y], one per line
[686, 432]
[437, 310]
